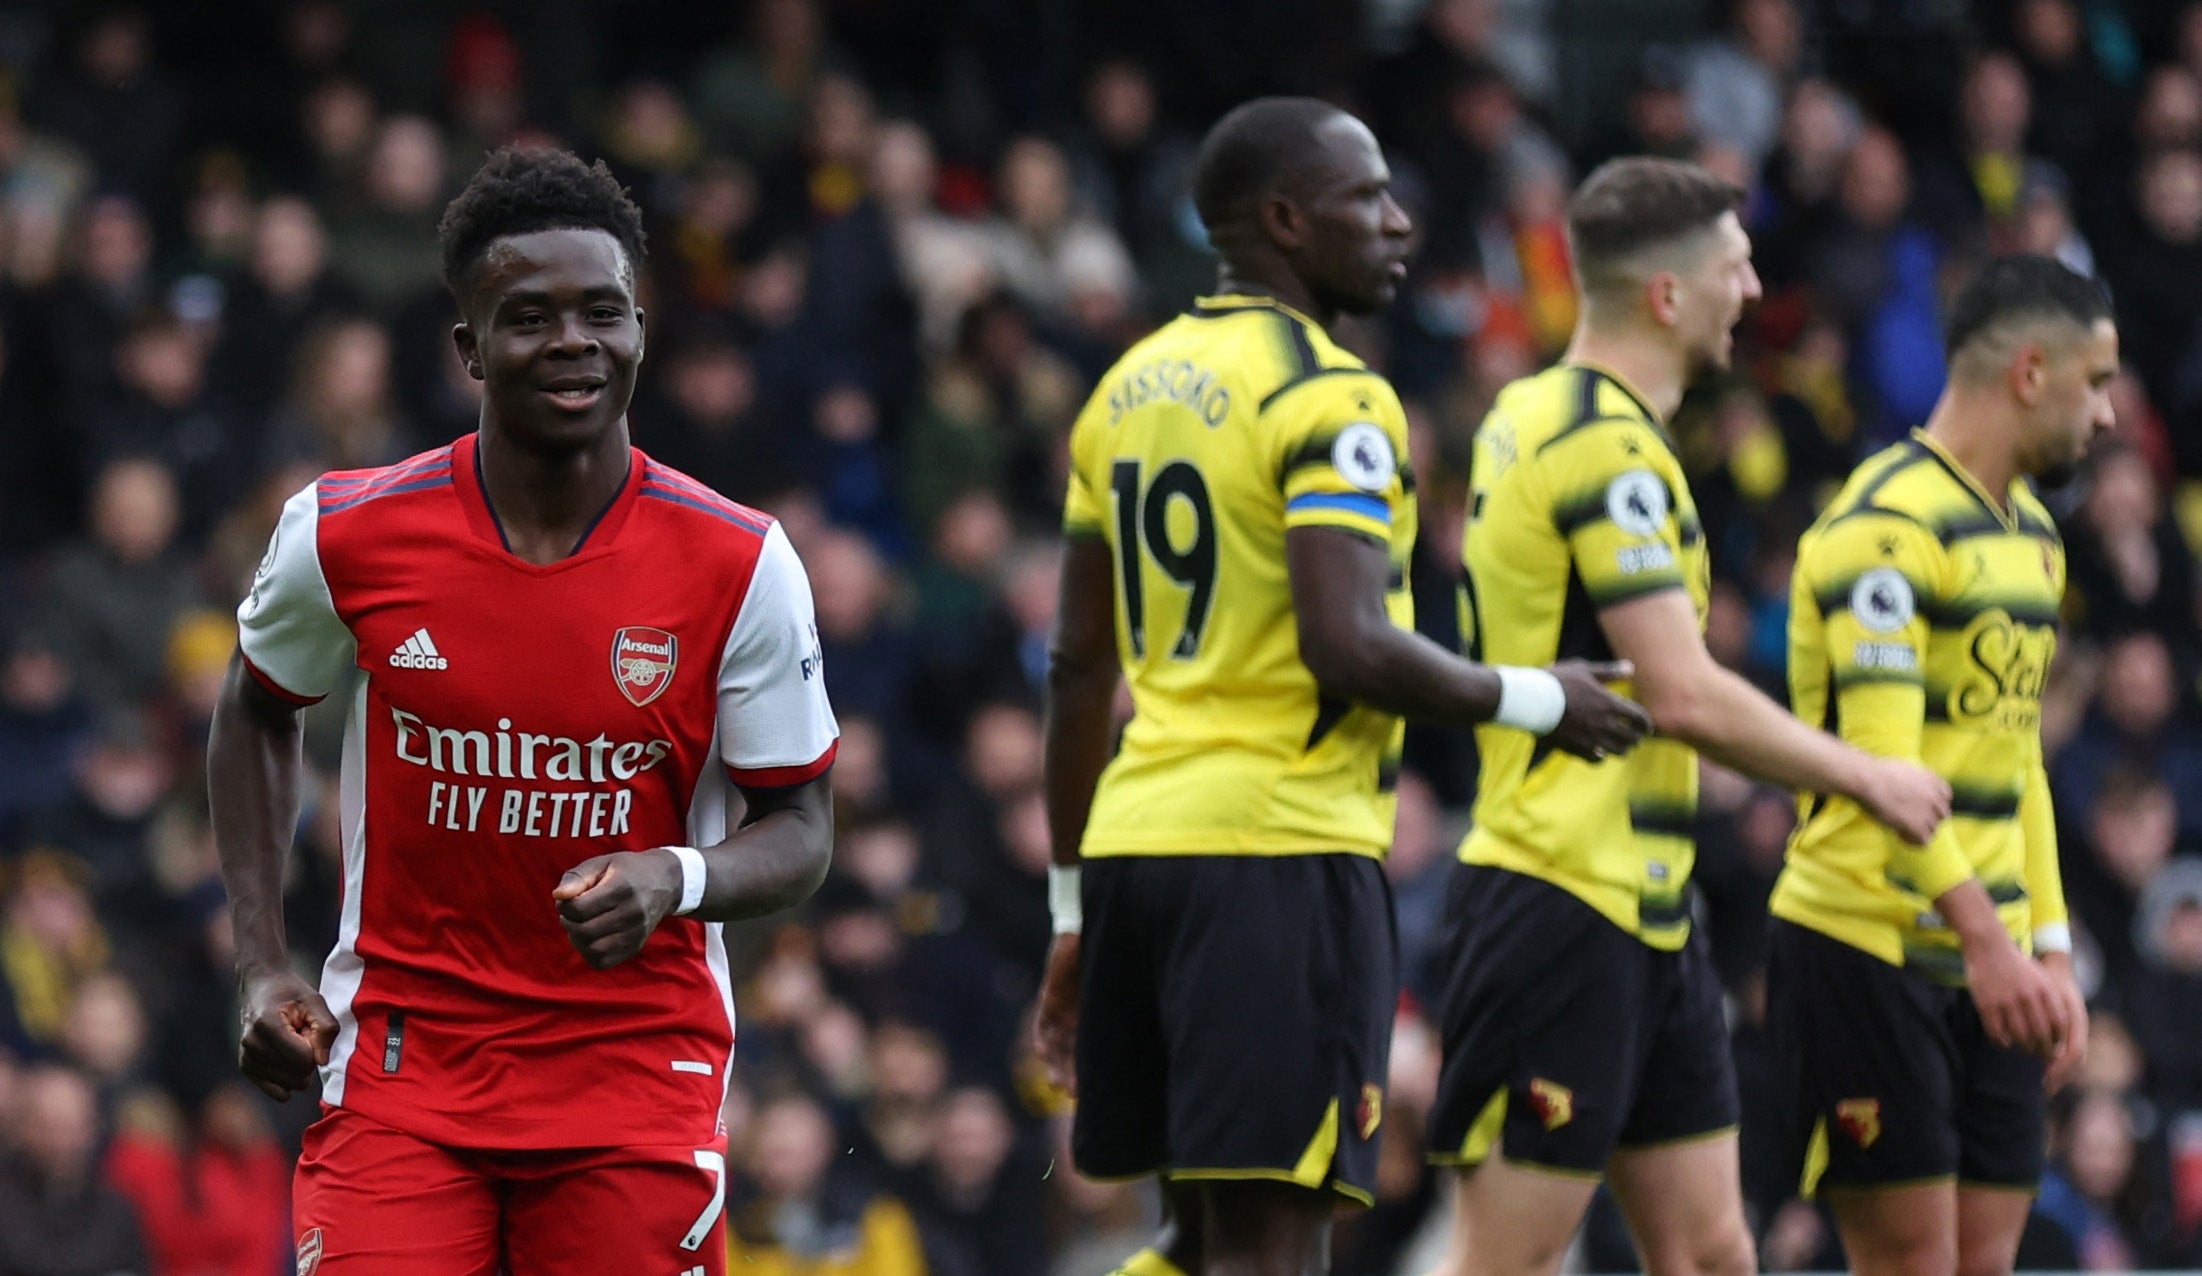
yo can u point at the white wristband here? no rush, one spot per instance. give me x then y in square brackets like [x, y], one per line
[2053, 937]
[691, 878]
[1064, 904]
[1530, 700]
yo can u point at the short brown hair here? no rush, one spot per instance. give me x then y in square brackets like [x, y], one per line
[1629, 205]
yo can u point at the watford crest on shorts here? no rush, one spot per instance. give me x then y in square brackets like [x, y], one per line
[642, 662]
[1860, 1119]
[1555, 1103]
[1371, 1112]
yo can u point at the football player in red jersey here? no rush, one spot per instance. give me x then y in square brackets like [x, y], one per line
[575, 659]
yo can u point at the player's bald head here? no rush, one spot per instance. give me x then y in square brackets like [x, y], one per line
[1267, 146]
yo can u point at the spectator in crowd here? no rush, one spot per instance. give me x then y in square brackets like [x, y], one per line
[51, 945]
[387, 244]
[791, 1214]
[92, 307]
[209, 1198]
[287, 290]
[1131, 162]
[1877, 276]
[1047, 249]
[750, 95]
[2097, 1192]
[2156, 243]
[2139, 719]
[1657, 118]
[111, 599]
[2163, 1003]
[2126, 841]
[57, 1217]
[1975, 190]
[113, 103]
[994, 418]
[1738, 82]
[2129, 565]
[978, 1189]
[44, 722]
[341, 412]
[2077, 107]
[1797, 205]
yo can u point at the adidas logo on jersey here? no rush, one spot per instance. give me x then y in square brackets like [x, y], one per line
[419, 652]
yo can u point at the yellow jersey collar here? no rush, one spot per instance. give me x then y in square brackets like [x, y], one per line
[2005, 510]
[1621, 383]
[1225, 303]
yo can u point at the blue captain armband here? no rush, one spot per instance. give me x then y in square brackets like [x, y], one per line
[1372, 507]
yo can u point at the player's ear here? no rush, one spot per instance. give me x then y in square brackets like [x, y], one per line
[642, 332]
[470, 351]
[1663, 294]
[1281, 221]
[2029, 371]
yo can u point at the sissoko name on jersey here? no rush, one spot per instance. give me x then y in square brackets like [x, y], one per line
[1207, 443]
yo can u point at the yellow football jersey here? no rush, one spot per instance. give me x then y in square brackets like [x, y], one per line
[1579, 503]
[1923, 617]
[1197, 452]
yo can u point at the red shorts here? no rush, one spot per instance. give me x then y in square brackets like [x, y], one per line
[371, 1201]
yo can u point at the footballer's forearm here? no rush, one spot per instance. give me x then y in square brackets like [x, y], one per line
[1076, 749]
[777, 858]
[1402, 672]
[1082, 677]
[1348, 640]
[1733, 723]
[253, 755]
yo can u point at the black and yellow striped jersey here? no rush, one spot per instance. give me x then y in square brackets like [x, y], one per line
[1580, 503]
[1197, 452]
[1923, 616]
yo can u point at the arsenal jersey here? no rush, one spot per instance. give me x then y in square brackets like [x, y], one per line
[515, 720]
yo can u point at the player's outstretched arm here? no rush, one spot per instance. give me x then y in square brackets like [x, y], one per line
[611, 904]
[252, 781]
[1693, 699]
[1350, 644]
[1081, 693]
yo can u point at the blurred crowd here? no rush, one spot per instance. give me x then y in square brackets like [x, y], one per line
[892, 244]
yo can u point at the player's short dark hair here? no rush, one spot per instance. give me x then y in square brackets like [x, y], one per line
[521, 190]
[1628, 205]
[1252, 150]
[2023, 289]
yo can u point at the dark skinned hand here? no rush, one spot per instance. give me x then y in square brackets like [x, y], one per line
[1597, 723]
[610, 904]
[285, 1032]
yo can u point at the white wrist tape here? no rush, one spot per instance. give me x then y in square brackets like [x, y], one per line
[1530, 700]
[1064, 904]
[2054, 937]
[691, 878]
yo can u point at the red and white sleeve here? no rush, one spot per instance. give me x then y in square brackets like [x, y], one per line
[293, 641]
[776, 727]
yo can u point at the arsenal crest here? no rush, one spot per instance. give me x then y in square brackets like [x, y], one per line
[642, 662]
[309, 1253]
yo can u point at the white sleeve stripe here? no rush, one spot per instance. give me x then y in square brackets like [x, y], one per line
[773, 712]
[287, 626]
